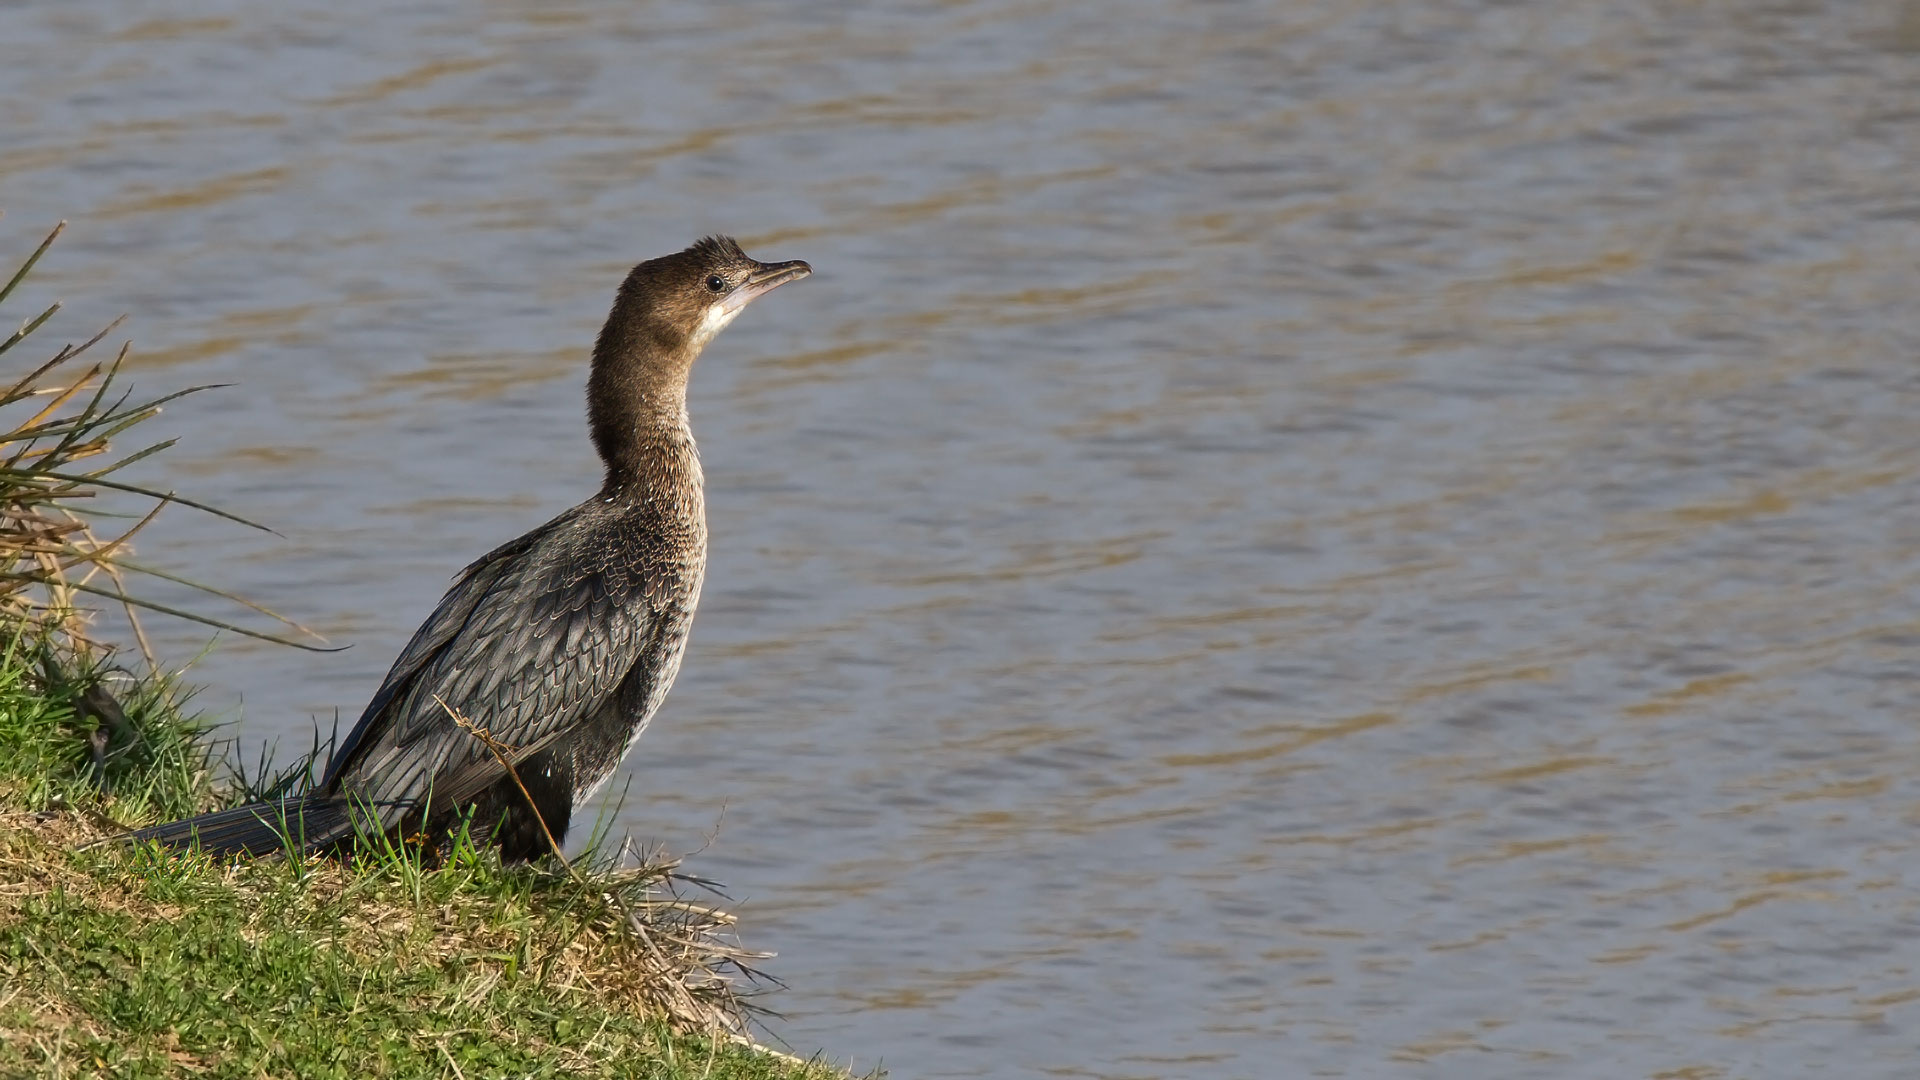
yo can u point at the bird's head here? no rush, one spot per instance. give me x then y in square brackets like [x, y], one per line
[681, 301]
[667, 311]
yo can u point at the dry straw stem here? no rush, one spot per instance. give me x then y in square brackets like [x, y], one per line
[64, 413]
[690, 961]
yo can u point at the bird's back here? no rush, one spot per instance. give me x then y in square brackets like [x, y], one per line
[535, 643]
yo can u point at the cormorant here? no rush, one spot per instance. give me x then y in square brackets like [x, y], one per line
[562, 643]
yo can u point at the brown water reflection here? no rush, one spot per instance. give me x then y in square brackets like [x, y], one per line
[1282, 539]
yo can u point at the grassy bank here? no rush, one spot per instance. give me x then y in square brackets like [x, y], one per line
[137, 963]
[127, 961]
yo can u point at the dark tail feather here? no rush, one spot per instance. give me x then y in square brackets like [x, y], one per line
[305, 823]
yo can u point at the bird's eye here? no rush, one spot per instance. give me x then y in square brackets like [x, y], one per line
[717, 283]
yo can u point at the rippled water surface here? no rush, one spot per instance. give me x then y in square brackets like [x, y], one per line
[1283, 539]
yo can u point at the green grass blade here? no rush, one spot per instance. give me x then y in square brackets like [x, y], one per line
[131, 458]
[21, 334]
[27, 267]
[77, 480]
[178, 613]
[152, 571]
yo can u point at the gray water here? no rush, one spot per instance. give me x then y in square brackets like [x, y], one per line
[1359, 539]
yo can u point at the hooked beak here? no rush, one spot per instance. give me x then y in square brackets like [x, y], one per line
[767, 278]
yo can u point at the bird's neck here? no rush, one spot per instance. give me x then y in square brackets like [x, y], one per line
[637, 405]
[647, 447]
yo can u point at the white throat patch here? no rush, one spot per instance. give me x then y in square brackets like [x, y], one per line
[714, 321]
